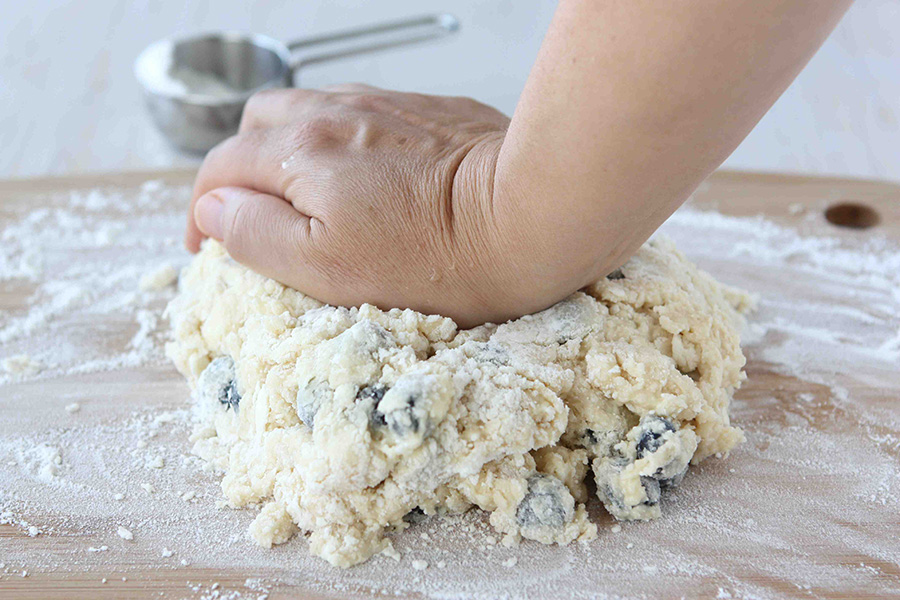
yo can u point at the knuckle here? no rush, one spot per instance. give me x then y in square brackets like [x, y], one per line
[313, 131]
[232, 149]
[212, 166]
[258, 104]
[271, 102]
[218, 151]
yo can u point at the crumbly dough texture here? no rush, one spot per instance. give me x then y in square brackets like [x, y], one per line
[346, 423]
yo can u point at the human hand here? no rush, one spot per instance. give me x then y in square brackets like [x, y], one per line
[357, 194]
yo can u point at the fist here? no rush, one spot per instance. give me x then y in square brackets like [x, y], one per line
[355, 194]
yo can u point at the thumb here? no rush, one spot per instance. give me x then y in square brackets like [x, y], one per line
[263, 232]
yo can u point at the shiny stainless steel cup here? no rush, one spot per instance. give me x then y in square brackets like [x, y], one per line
[247, 63]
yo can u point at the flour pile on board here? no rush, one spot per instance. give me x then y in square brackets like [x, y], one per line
[818, 476]
[108, 259]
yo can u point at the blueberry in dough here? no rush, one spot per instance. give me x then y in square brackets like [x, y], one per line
[415, 516]
[309, 400]
[673, 481]
[655, 431]
[403, 409]
[492, 353]
[547, 503]
[651, 487]
[370, 396]
[371, 337]
[589, 439]
[653, 434]
[405, 420]
[373, 393]
[219, 382]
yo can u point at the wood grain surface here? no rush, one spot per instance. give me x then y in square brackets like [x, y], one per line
[766, 407]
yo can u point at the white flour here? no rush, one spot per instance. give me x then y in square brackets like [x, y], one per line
[819, 475]
[157, 72]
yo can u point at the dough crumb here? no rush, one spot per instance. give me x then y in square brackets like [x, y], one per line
[510, 562]
[21, 365]
[125, 534]
[419, 565]
[391, 552]
[158, 279]
[73, 408]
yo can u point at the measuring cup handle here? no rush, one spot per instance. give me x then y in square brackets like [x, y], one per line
[372, 38]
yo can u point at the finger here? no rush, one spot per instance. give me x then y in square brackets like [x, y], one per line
[261, 231]
[276, 107]
[250, 160]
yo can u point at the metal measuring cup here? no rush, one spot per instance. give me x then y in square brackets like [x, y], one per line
[195, 87]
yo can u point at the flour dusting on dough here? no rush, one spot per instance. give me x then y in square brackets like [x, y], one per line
[342, 422]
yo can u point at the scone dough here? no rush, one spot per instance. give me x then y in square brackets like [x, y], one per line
[341, 422]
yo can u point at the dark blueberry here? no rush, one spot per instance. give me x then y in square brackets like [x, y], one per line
[543, 504]
[229, 395]
[493, 354]
[595, 442]
[309, 401]
[673, 481]
[371, 395]
[651, 486]
[373, 337]
[415, 516]
[653, 430]
[404, 421]
[402, 409]
[589, 438]
[219, 382]
[617, 274]
[609, 495]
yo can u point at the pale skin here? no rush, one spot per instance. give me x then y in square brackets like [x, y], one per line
[354, 194]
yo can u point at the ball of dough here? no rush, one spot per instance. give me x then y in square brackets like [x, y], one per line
[342, 421]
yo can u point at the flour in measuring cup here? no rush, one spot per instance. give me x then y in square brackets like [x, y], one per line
[192, 81]
[157, 71]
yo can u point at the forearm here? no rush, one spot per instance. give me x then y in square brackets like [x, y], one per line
[631, 104]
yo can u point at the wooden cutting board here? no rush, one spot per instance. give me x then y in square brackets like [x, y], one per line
[807, 507]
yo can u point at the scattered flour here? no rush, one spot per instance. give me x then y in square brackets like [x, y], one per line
[819, 474]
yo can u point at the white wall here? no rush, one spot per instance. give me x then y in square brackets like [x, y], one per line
[69, 102]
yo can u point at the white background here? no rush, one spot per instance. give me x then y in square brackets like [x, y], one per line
[69, 102]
